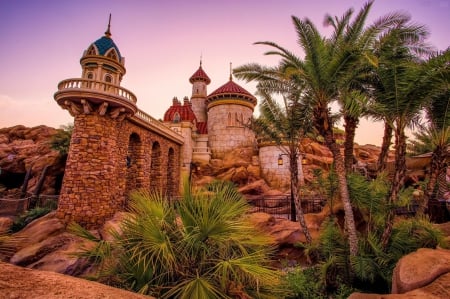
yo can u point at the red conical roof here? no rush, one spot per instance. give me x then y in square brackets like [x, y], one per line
[231, 90]
[200, 75]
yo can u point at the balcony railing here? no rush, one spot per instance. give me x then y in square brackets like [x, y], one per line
[105, 87]
[154, 123]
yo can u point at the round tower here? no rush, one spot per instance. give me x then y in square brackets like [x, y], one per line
[230, 109]
[199, 81]
[99, 105]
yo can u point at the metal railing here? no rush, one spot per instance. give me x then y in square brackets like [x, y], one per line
[280, 206]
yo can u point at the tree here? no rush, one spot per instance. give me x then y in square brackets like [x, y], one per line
[400, 95]
[436, 84]
[203, 246]
[329, 67]
[285, 124]
[61, 140]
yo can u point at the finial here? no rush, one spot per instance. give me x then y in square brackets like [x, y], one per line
[231, 71]
[108, 31]
[201, 57]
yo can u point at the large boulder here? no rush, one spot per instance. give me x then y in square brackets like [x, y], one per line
[419, 269]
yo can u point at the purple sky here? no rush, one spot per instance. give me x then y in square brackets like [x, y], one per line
[42, 42]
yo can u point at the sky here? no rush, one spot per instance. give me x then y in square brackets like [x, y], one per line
[41, 43]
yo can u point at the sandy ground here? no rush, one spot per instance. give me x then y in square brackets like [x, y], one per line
[20, 283]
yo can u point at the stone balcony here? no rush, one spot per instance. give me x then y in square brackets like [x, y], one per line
[84, 95]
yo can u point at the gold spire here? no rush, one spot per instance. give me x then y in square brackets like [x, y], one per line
[108, 30]
[231, 72]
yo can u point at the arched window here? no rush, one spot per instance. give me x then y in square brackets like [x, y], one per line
[108, 78]
[90, 75]
[230, 120]
[92, 50]
[112, 54]
[176, 118]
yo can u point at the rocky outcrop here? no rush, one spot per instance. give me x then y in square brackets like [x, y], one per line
[18, 282]
[419, 269]
[423, 274]
[22, 148]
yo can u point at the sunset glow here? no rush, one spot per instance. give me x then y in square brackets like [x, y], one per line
[162, 42]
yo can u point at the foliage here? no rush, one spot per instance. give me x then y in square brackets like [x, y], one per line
[201, 247]
[30, 215]
[305, 283]
[61, 140]
[373, 266]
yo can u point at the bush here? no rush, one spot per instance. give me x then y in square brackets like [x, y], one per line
[27, 217]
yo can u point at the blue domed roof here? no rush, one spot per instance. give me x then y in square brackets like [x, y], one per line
[105, 43]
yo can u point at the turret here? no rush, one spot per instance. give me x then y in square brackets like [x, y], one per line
[199, 81]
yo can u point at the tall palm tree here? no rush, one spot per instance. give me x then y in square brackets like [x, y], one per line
[436, 85]
[284, 121]
[399, 75]
[329, 67]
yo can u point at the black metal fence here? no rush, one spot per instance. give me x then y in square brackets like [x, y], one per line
[280, 205]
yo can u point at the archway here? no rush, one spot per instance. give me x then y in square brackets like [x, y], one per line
[155, 168]
[133, 164]
[171, 171]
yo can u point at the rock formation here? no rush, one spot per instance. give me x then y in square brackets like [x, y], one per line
[23, 148]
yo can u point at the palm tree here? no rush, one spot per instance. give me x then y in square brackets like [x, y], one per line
[436, 85]
[285, 124]
[329, 67]
[399, 93]
[203, 246]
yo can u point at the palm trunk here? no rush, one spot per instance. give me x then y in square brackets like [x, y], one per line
[397, 181]
[350, 225]
[323, 124]
[387, 137]
[293, 167]
[436, 169]
[351, 124]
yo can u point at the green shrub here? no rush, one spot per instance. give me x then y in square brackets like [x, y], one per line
[27, 217]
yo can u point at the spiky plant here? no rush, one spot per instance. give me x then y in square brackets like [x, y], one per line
[201, 247]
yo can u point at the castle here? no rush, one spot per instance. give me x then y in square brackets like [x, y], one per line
[116, 147]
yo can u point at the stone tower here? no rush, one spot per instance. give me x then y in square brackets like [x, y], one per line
[229, 108]
[90, 192]
[199, 81]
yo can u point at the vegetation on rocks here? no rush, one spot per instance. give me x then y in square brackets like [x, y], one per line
[202, 246]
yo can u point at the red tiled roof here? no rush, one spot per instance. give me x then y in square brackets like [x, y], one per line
[231, 89]
[200, 75]
[184, 111]
[202, 127]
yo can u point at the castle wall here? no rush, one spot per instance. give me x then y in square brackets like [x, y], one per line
[109, 158]
[227, 128]
[277, 176]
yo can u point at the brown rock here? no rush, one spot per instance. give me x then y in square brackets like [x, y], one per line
[5, 224]
[112, 226]
[39, 230]
[419, 269]
[255, 188]
[17, 282]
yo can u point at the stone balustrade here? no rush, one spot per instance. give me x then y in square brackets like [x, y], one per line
[151, 122]
[88, 84]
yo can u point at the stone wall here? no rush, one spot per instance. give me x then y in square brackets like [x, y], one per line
[108, 158]
[227, 128]
[277, 176]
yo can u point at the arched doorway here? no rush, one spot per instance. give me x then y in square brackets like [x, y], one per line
[155, 168]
